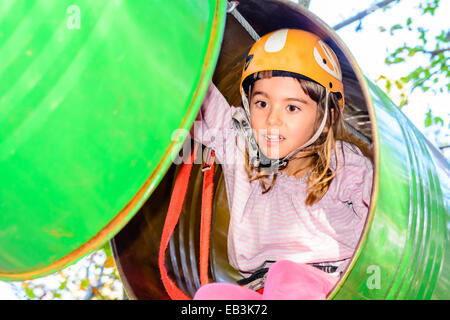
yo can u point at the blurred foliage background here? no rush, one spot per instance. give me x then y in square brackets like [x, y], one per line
[94, 277]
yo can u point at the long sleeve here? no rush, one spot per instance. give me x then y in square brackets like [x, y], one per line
[356, 182]
[214, 121]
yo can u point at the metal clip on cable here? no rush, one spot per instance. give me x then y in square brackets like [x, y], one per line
[207, 163]
[231, 8]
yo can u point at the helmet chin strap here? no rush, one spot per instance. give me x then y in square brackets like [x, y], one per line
[241, 121]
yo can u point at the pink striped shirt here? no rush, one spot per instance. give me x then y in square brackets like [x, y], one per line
[278, 225]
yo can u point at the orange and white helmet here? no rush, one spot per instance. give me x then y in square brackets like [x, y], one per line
[296, 51]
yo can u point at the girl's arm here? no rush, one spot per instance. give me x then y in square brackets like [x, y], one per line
[362, 189]
[214, 121]
[356, 182]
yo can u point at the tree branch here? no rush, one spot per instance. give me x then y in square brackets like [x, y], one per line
[436, 52]
[362, 14]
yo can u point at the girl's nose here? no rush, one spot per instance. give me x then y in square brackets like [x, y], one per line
[274, 117]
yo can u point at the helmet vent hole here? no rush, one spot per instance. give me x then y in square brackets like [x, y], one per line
[324, 61]
[331, 85]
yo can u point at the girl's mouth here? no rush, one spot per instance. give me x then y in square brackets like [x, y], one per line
[273, 138]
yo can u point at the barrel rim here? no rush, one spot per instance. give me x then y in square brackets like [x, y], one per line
[375, 190]
[363, 81]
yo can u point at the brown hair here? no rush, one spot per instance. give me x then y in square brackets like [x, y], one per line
[320, 151]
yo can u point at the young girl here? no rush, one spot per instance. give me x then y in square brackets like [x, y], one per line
[298, 187]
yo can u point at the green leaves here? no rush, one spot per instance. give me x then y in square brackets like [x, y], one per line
[439, 120]
[92, 277]
[430, 120]
[430, 6]
[30, 293]
[395, 85]
[394, 60]
[395, 27]
[430, 55]
[409, 21]
[422, 36]
[443, 37]
[424, 55]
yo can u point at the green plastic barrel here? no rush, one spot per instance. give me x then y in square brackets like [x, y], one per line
[91, 93]
[403, 252]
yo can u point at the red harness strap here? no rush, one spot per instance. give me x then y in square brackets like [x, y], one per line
[173, 215]
[205, 223]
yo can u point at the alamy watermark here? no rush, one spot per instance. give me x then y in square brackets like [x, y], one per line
[73, 21]
[374, 279]
[217, 138]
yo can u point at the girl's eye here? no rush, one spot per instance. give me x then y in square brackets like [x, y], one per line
[292, 108]
[261, 104]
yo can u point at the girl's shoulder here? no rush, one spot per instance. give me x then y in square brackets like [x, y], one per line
[352, 182]
[349, 154]
[348, 147]
[354, 169]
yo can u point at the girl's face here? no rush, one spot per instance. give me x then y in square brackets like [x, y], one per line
[282, 115]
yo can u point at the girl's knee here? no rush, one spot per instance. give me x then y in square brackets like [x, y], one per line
[225, 291]
[291, 280]
[294, 271]
[285, 266]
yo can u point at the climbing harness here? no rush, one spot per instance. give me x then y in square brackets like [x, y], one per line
[173, 215]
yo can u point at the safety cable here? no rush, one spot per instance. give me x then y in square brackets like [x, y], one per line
[231, 8]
